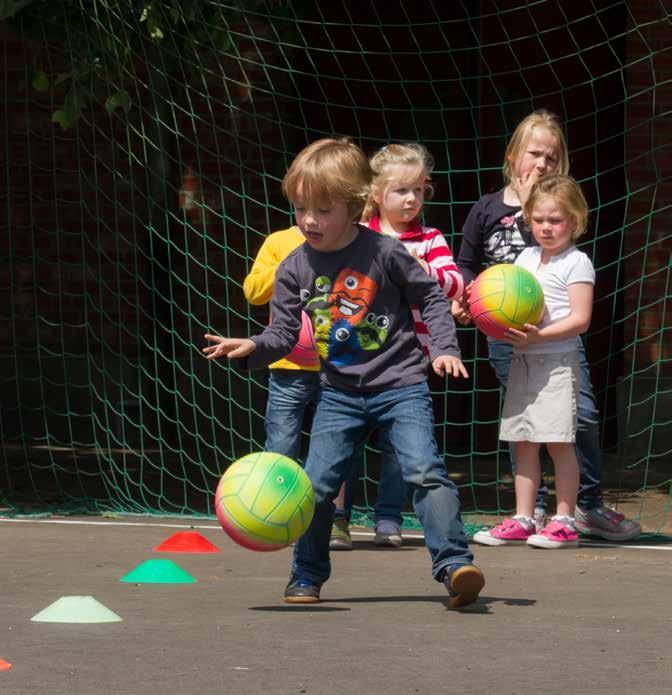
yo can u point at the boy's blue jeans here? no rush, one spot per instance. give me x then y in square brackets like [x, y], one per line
[405, 417]
[290, 392]
[588, 452]
[392, 493]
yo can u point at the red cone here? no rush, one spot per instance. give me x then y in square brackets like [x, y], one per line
[186, 542]
[4, 665]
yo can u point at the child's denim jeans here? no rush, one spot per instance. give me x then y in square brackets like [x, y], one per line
[405, 417]
[290, 392]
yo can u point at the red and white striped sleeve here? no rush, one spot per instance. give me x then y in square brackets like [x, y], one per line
[441, 264]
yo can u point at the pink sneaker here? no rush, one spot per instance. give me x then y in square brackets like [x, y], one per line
[509, 532]
[555, 535]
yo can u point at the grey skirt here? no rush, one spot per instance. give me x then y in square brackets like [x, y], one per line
[541, 396]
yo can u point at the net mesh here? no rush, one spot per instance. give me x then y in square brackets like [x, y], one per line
[144, 149]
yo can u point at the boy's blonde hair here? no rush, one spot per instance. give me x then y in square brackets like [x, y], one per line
[521, 136]
[568, 194]
[329, 170]
[390, 156]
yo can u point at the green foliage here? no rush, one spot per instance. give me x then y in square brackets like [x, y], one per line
[40, 81]
[120, 99]
[7, 8]
[101, 41]
[69, 113]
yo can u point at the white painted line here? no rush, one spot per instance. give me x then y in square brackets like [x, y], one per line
[112, 522]
[82, 522]
[597, 544]
[356, 534]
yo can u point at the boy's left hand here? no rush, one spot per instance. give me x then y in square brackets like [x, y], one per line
[519, 339]
[450, 365]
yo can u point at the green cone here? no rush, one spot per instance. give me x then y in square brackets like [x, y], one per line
[158, 572]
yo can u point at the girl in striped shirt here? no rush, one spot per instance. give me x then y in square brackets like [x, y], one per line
[401, 183]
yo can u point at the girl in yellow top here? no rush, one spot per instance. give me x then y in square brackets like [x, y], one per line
[294, 381]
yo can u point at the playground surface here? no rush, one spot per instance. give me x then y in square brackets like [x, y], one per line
[591, 620]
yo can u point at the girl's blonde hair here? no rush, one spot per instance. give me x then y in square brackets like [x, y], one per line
[522, 134]
[390, 156]
[568, 194]
[327, 171]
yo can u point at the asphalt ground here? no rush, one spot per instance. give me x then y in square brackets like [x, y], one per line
[591, 620]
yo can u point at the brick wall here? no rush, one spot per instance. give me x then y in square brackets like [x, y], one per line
[648, 239]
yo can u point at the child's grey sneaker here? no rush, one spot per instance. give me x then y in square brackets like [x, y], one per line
[387, 533]
[464, 583]
[606, 523]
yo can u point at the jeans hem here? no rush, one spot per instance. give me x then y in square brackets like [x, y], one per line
[385, 517]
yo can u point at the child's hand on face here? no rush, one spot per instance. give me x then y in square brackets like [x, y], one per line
[232, 347]
[520, 339]
[523, 185]
[450, 365]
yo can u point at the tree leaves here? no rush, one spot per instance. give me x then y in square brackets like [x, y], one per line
[120, 99]
[69, 113]
[40, 81]
[102, 41]
[7, 8]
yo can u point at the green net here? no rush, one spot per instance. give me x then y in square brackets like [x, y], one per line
[144, 147]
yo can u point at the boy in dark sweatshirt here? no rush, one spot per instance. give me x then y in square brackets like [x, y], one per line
[357, 287]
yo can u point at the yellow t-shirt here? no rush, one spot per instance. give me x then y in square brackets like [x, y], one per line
[258, 285]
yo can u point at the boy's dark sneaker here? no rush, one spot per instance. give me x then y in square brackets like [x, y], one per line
[464, 583]
[301, 590]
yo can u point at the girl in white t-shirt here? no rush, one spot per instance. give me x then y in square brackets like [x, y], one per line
[543, 384]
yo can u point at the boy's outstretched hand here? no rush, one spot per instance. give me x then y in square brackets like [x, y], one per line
[450, 365]
[232, 347]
